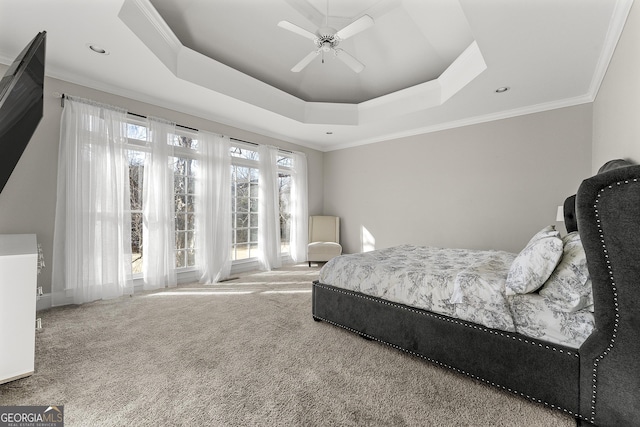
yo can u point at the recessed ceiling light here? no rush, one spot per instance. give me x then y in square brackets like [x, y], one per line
[98, 49]
[502, 89]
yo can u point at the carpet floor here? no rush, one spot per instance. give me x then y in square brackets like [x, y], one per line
[244, 353]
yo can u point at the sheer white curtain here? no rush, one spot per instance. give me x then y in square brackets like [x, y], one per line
[92, 246]
[268, 209]
[299, 233]
[214, 207]
[159, 265]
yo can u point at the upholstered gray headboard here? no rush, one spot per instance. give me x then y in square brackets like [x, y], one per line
[614, 164]
[570, 220]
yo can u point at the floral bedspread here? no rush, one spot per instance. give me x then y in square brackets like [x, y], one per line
[535, 316]
[460, 283]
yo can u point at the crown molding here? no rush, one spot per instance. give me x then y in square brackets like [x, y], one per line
[532, 109]
[616, 26]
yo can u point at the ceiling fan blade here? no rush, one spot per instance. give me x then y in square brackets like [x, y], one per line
[352, 62]
[298, 30]
[309, 12]
[355, 27]
[305, 61]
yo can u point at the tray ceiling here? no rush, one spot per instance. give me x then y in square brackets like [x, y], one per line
[398, 51]
[430, 64]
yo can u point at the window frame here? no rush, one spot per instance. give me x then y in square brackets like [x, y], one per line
[187, 154]
[142, 146]
[237, 161]
[240, 161]
[289, 171]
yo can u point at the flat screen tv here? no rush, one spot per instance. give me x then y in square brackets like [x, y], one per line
[21, 104]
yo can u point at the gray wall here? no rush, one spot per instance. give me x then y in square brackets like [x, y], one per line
[486, 186]
[616, 111]
[27, 203]
[490, 185]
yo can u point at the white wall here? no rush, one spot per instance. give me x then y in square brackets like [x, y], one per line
[616, 111]
[27, 203]
[486, 186]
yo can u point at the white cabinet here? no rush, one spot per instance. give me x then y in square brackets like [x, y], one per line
[18, 283]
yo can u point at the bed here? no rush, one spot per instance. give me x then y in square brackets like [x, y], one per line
[577, 352]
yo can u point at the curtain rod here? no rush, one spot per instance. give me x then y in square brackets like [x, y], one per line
[177, 124]
[257, 145]
[63, 96]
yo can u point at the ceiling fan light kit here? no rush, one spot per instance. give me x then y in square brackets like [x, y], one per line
[327, 39]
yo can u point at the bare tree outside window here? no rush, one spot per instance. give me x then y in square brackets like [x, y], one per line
[284, 201]
[184, 187]
[185, 170]
[136, 176]
[244, 198]
[244, 195]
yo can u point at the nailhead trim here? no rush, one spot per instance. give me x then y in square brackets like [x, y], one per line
[615, 298]
[460, 371]
[448, 319]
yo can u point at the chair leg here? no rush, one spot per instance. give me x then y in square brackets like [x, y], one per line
[309, 263]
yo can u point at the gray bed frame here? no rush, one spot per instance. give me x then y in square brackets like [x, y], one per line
[599, 383]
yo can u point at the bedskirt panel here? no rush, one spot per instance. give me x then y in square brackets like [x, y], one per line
[538, 371]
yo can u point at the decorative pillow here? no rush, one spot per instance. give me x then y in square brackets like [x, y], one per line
[569, 286]
[535, 263]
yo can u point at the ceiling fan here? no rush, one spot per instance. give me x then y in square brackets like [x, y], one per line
[326, 39]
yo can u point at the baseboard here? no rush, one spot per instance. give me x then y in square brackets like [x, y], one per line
[43, 302]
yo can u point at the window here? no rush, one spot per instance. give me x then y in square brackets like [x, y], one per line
[284, 201]
[136, 142]
[185, 170]
[136, 176]
[244, 203]
[244, 194]
[244, 197]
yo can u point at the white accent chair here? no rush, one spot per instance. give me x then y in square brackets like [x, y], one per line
[324, 238]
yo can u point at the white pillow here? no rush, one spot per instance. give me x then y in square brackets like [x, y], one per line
[569, 286]
[535, 263]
